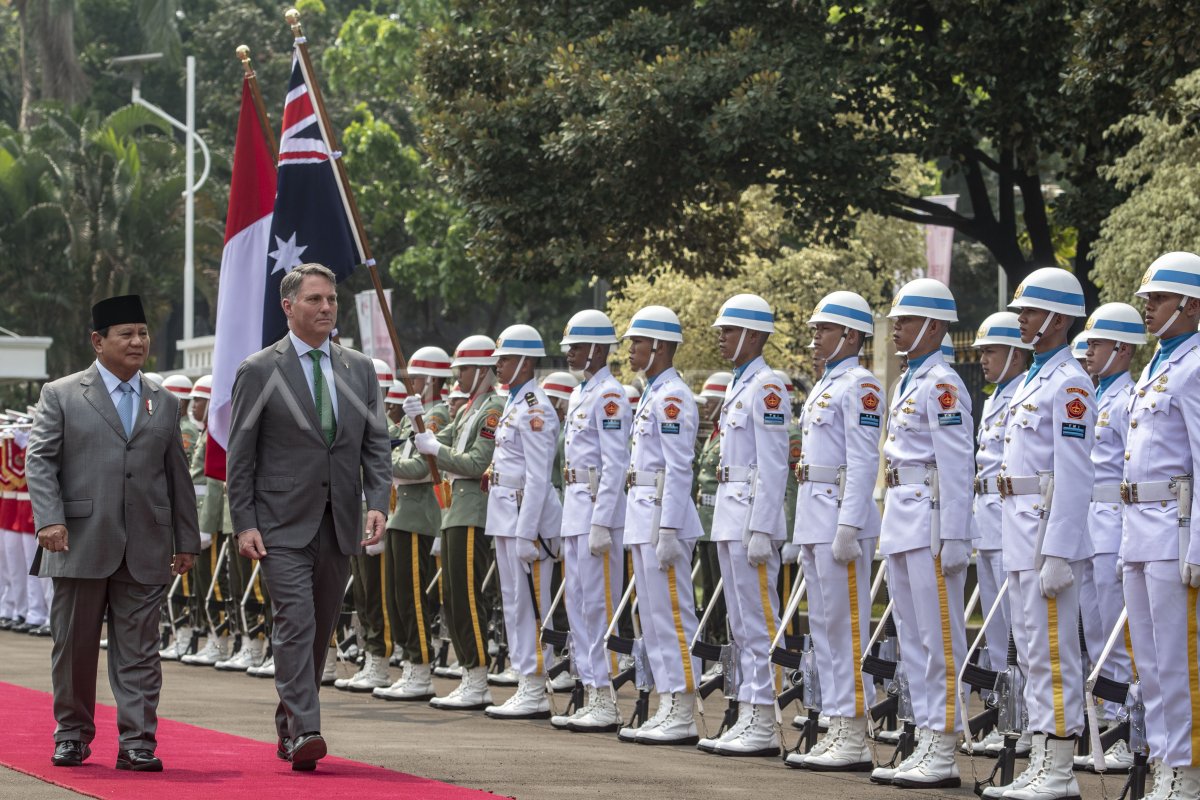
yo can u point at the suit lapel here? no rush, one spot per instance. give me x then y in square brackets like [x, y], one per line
[141, 415]
[96, 394]
[343, 376]
[288, 363]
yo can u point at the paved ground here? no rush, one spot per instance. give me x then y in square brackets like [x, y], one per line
[526, 760]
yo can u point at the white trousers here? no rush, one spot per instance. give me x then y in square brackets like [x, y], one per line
[1046, 632]
[7, 598]
[989, 569]
[16, 571]
[37, 607]
[1101, 600]
[522, 627]
[752, 605]
[1163, 626]
[933, 635]
[839, 621]
[667, 613]
[593, 589]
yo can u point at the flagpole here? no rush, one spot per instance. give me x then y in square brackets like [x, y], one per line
[243, 54]
[293, 19]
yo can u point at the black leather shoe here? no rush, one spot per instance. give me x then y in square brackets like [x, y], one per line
[70, 754]
[41, 630]
[20, 627]
[307, 750]
[138, 761]
[283, 750]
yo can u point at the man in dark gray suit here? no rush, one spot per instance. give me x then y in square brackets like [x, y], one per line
[307, 437]
[116, 517]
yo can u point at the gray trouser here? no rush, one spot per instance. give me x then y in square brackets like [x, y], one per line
[307, 586]
[134, 671]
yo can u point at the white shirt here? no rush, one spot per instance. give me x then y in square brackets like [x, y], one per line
[306, 364]
[111, 382]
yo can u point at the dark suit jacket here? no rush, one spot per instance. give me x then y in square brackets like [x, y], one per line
[119, 497]
[281, 472]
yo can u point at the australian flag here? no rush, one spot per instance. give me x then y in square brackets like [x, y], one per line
[313, 220]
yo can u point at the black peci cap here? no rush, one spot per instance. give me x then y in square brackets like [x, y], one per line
[117, 311]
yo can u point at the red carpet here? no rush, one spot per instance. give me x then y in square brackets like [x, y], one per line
[199, 763]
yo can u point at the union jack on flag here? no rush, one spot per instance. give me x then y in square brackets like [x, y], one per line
[313, 221]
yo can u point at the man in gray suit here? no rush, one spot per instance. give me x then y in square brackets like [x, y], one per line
[115, 514]
[307, 437]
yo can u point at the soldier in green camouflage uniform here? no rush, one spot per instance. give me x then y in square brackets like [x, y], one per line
[705, 486]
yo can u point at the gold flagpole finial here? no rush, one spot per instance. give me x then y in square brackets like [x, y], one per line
[293, 18]
[243, 54]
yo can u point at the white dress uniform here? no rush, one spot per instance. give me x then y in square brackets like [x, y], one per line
[751, 480]
[595, 463]
[522, 504]
[1100, 596]
[841, 422]
[663, 439]
[929, 426]
[1163, 443]
[987, 517]
[1049, 432]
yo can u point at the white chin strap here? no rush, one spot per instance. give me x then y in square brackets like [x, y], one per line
[591, 355]
[479, 373]
[1116, 346]
[192, 416]
[737, 351]
[920, 335]
[520, 363]
[1171, 320]
[838, 349]
[1007, 363]
[1045, 326]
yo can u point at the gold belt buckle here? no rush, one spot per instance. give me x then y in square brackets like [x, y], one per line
[802, 473]
[892, 477]
[979, 485]
[1128, 492]
[629, 478]
[1004, 486]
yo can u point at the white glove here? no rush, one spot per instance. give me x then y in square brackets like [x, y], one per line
[527, 550]
[427, 443]
[1056, 575]
[790, 553]
[599, 541]
[375, 549]
[845, 544]
[668, 549]
[955, 554]
[436, 550]
[1192, 575]
[1120, 570]
[205, 540]
[760, 549]
[413, 407]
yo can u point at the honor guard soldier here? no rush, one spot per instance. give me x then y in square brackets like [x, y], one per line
[838, 525]
[1044, 480]
[1079, 348]
[181, 387]
[596, 459]
[661, 525]
[748, 520]
[524, 517]
[926, 528]
[1160, 549]
[464, 451]
[558, 387]
[1112, 333]
[795, 446]
[712, 395]
[1002, 357]
[413, 527]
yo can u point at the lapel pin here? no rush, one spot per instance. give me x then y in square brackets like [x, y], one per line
[149, 407]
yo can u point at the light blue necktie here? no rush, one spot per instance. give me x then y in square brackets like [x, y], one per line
[125, 407]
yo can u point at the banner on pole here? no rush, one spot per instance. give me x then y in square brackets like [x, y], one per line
[376, 342]
[939, 242]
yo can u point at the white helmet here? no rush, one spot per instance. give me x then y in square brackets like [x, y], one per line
[396, 394]
[632, 394]
[178, 385]
[1116, 322]
[1177, 273]
[925, 297]
[1079, 346]
[747, 311]
[384, 373]
[1000, 328]
[475, 351]
[559, 384]
[844, 308]
[589, 327]
[947, 349]
[457, 393]
[520, 340]
[1053, 289]
[154, 376]
[202, 389]
[431, 361]
[716, 385]
[655, 322]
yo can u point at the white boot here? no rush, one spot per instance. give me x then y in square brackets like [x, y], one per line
[251, 655]
[216, 648]
[329, 674]
[796, 760]
[449, 671]
[1164, 781]
[1118, 758]
[988, 745]
[665, 700]
[373, 675]
[559, 721]
[846, 751]
[759, 737]
[416, 683]
[510, 677]
[603, 717]
[678, 727]
[1037, 754]
[264, 670]
[885, 774]
[937, 769]
[471, 694]
[1055, 780]
[528, 702]
[1186, 784]
[1024, 746]
[563, 683]
[179, 646]
[709, 743]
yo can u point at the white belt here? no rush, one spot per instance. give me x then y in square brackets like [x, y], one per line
[410, 481]
[735, 474]
[708, 501]
[1026, 484]
[507, 481]
[986, 486]
[1149, 491]
[201, 489]
[8, 495]
[640, 478]
[579, 474]
[1106, 493]
[904, 476]
[806, 473]
[21, 495]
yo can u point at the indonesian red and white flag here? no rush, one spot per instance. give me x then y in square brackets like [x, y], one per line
[243, 281]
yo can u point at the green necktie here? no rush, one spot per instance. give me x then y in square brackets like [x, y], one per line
[324, 407]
